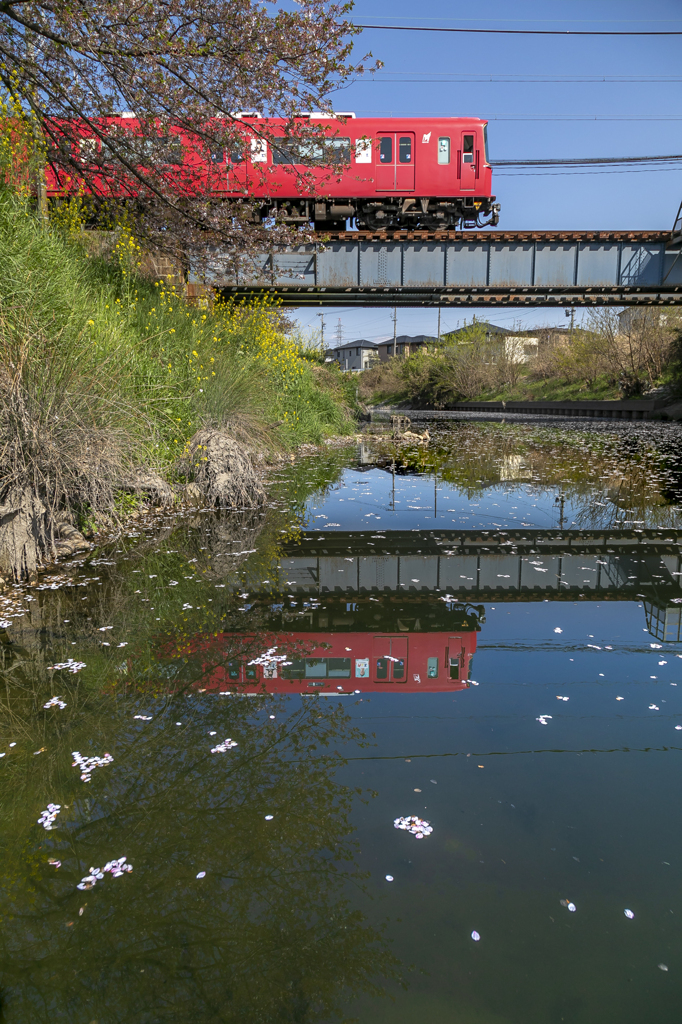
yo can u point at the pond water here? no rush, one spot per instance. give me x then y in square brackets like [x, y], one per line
[483, 635]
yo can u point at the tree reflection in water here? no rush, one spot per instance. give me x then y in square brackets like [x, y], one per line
[270, 934]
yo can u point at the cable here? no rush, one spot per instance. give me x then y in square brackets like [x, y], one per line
[512, 31]
[583, 161]
[444, 79]
[540, 173]
[535, 118]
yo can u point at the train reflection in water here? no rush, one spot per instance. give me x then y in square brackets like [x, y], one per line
[393, 611]
[417, 644]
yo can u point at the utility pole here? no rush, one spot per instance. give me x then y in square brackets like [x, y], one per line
[339, 332]
[572, 316]
[321, 316]
[395, 327]
[439, 325]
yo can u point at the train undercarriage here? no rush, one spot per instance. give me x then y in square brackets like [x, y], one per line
[393, 213]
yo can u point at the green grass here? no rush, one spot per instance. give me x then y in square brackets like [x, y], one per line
[137, 360]
[557, 390]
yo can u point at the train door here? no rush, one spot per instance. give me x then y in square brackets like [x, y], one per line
[455, 662]
[395, 162]
[389, 659]
[467, 163]
[385, 172]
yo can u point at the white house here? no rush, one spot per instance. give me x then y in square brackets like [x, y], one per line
[355, 355]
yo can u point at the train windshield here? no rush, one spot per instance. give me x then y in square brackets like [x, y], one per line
[485, 143]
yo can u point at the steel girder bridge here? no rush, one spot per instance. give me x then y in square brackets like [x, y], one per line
[460, 269]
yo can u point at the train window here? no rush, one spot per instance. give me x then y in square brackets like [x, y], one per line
[236, 156]
[251, 672]
[468, 149]
[382, 668]
[59, 149]
[88, 149]
[485, 143]
[309, 152]
[454, 668]
[432, 668]
[233, 669]
[399, 669]
[284, 152]
[338, 668]
[405, 149]
[386, 150]
[317, 668]
[296, 670]
[338, 151]
[145, 152]
[444, 150]
[218, 156]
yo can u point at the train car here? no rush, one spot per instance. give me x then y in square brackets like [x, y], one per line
[365, 662]
[378, 173]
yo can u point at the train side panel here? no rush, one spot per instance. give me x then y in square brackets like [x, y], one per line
[383, 662]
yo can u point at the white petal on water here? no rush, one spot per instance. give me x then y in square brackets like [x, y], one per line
[202, 874]
[269, 817]
[389, 878]
[475, 936]
[629, 914]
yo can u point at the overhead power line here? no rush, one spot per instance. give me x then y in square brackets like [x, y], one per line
[622, 118]
[590, 160]
[514, 31]
[444, 78]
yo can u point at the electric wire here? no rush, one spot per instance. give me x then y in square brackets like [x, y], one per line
[516, 31]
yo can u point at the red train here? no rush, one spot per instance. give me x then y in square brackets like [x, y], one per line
[380, 173]
[382, 662]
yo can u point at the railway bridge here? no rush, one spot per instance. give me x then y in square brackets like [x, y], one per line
[465, 269]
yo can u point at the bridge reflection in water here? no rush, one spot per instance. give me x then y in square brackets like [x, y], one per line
[395, 610]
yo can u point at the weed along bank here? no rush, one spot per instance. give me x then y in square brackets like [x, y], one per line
[116, 392]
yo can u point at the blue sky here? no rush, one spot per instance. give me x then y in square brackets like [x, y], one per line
[428, 73]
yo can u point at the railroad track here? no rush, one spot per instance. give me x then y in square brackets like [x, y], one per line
[491, 236]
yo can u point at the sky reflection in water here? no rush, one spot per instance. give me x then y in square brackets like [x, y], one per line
[533, 798]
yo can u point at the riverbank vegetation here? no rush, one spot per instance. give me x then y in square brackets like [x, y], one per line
[105, 378]
[617, 354]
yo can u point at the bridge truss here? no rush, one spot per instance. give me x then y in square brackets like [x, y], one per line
[460, 269]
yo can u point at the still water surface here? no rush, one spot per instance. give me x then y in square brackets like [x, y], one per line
[484, 634]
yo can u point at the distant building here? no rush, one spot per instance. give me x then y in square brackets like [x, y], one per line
[355, 355]
[519, 348]
[491, 330]
[404, 345]
[516, 346]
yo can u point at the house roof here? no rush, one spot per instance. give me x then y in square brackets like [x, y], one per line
[407, 339]
[354, 344]
[489, 328]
